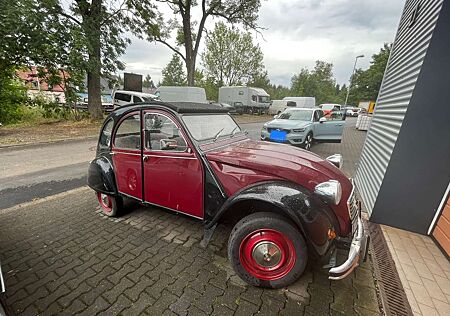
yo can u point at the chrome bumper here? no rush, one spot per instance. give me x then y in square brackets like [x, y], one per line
[357, 253]
[2, 282]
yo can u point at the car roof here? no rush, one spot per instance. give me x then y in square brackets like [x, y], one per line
[179, 107]
[136, 93]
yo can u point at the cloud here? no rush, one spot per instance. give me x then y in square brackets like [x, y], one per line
[297, 33]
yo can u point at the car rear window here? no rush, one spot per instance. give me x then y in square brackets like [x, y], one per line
[105, 136]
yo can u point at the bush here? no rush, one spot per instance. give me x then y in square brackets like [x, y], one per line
[13, 96]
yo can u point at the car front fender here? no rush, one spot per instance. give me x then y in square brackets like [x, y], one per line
[312, 216]
[101, 176]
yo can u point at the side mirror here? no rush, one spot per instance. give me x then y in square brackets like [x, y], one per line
[168, 144]
[276, 116]
[322, 119]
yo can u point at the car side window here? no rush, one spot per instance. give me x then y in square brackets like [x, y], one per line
[105, 137]
[128, 134]
[320, 113]
[254, 98]
[122, 97]
[136, 99]
[161, 133]
[316, 116]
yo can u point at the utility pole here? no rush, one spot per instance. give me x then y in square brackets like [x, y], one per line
[351, 78]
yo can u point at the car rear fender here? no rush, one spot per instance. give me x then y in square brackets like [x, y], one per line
[313, 217]
[101, 176]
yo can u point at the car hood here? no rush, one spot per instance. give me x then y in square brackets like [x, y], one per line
[281, 161]
[287, 124]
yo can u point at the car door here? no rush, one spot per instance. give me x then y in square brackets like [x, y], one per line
[173, 173]
[328, 129]
[126, 150]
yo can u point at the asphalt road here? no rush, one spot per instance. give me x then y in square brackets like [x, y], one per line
[37, 171]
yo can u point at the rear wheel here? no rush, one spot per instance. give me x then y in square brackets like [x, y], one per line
[110, 205]
[267, 250]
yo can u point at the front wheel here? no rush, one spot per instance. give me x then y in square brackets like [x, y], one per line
[267, 250]
[307, 143]
[110, 205]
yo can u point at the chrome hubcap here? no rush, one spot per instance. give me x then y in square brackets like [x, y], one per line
[105, 199]
[266, 254]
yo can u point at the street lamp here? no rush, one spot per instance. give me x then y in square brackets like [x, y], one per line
[351, 78]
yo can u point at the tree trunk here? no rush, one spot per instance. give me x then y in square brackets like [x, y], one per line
[190, 52]
[94, 87]
[190, 67]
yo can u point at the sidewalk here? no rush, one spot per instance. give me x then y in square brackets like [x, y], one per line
[423, 270]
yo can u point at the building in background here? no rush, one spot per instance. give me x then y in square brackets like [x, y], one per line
[39, 87]
[403, 174]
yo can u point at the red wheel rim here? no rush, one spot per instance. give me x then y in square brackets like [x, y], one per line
[267, 254]
[105, 202]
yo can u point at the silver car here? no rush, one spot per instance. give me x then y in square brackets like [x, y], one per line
[298, 126]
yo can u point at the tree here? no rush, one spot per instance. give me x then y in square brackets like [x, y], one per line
[230, 57]
[367, 83]
[148, 82]
[318, 83]
[81, 37]
[173, 74]
[189, 33]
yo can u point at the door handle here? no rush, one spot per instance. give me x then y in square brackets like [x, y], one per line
[145, 158]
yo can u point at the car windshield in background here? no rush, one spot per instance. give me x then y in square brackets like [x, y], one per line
[262, 99]
[299, 115]
[203, 127]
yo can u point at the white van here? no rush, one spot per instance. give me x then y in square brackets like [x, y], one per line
[279, 106]
[303, 102]
[181, 94]
[124, 97]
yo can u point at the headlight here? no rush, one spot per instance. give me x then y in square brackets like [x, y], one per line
[264, 128]
[298, 130]
[330, 191]
[336, 160]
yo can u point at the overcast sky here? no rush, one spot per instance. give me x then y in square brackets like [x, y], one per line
[299, 32]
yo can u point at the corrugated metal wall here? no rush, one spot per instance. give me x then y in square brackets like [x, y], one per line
[408, 52]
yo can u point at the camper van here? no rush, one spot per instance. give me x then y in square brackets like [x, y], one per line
[279, 106]
[181, 94]
[247, 99]
[302, 102]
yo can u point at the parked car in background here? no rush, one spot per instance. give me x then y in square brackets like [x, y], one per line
[231, 109]
[279, 106]
[354, 111]
[125, 97]
[253, 100]
[82, 103]
[181, 94]
[302, 127]
[285, 203]
[327, 108]
[302, 102]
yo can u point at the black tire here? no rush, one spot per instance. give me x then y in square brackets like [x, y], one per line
[111, 206]
[308, 142]
[260, 225]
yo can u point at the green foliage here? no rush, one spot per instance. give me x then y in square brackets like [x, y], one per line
[173, 74]
[148, 82]
[367, 83]
[231, 57]
[12, 95]
[157, 27]
[318, 83]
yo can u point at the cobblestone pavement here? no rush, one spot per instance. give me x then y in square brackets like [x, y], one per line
[60, 255]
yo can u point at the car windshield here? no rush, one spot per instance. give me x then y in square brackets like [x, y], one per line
[203, 127]
[263, 99]
[299, 115]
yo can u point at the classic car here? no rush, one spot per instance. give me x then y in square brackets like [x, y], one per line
[288, 204]
[302, 127]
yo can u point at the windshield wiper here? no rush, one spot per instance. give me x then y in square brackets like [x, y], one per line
[234, 131]
[217, 134]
